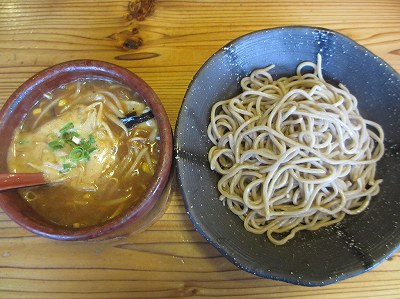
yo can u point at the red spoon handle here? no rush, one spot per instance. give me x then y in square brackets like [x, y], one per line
[18, 180]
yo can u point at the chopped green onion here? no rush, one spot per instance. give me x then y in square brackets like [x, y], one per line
[66, 168]
[67, 127]
[86, 156]
[91, 139]
[90, 150]
[67, 136]
[87, 145]
[81, 147]
[56, 144]
[77, 154]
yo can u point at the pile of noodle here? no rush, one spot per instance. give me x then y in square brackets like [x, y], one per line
[294, 153]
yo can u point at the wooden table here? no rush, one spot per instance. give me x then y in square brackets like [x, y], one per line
[170, 259]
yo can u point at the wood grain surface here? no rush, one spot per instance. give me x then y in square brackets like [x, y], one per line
[165, 48]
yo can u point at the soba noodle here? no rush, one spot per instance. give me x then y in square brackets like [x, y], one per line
[294, 153]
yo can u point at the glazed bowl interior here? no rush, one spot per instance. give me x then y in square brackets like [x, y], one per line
[20, 103]
[320, 257]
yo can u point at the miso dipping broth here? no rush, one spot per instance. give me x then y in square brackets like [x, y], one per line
[96, 167]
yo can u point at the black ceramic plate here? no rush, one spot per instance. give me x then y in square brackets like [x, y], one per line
[312, 258]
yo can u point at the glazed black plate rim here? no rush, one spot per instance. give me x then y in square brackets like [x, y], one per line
[202, 229]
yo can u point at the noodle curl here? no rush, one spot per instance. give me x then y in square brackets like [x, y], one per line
[294, 153]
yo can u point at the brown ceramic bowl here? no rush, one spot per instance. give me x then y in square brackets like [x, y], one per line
[22, 100]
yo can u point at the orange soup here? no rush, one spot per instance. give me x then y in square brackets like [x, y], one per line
[97, 168]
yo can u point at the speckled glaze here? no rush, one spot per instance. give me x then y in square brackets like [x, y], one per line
[22, 100]
[330, 254]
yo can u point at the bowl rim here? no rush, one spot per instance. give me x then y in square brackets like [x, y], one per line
[202, 229]
[87, 68]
